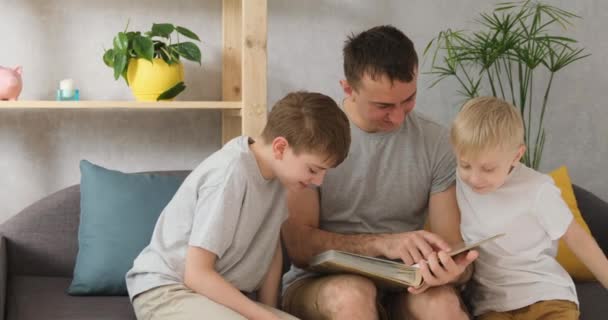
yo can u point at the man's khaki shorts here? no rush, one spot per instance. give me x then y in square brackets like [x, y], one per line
[550, 309]
[178, 302]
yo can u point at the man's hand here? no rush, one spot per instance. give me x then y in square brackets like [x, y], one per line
[411, 247]
[440, 269]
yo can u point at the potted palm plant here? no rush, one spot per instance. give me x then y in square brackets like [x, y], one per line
[515, 47]
[150, 62]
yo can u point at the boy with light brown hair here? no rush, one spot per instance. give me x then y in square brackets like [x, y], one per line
[218, 239]
[517, 273]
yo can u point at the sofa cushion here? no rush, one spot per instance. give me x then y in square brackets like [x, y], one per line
[565, 256]
[592, 297]
[41, 239]
[117, 216]
[595, 212]
[44, 298]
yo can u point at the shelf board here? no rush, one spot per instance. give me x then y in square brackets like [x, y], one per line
[101, 104]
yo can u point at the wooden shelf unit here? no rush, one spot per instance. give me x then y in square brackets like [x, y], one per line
[244, 81]
[101, 104]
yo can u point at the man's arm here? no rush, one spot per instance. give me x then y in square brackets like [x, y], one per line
[269, 292]
[301, 234]
[444, 220]
[303, 238]
[444, 216]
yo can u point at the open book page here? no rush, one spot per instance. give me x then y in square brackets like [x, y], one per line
[466, 246]
[459, 248]
[384, 272]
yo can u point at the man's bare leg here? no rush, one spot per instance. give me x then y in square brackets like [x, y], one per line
[442, 302]
[335, 297]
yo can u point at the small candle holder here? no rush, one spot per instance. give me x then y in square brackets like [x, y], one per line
[67, 92]
[66, 95]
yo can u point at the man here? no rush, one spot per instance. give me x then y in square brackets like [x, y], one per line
[400, 172]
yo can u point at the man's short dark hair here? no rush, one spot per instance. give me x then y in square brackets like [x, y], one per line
[379, 51]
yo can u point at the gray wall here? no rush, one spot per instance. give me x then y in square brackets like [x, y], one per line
[53, 40]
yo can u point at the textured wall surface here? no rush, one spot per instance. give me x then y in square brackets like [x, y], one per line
[60, 39]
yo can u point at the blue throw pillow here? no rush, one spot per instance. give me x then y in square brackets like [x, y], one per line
[118, 212]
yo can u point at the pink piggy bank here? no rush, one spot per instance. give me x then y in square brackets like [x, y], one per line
[10, 83]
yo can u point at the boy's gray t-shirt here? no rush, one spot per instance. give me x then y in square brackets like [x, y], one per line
[224, 206]
[384, 184]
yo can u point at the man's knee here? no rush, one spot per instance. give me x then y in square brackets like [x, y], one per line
[437, 303]
[347, 294]
[445, 298]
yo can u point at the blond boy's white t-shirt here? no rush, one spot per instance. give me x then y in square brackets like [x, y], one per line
[518, 269]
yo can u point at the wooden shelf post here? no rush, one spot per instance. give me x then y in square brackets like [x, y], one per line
[244, 66]
[232, 14]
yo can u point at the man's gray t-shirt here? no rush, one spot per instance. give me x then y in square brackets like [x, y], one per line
[224, 206]
[384, 184]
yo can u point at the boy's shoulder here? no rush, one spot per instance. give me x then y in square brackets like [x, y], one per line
[233, 161]
[530, 180]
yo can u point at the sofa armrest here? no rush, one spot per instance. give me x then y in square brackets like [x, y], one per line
[595, 212]
[3, 276]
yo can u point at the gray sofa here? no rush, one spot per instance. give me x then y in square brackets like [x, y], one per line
[38, 250]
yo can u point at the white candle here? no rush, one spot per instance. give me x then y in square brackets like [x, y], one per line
[67, 87]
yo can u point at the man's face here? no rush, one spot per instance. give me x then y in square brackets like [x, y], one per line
[381, 105]
[488, 171]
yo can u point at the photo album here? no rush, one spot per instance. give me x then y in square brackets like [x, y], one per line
[386, 273]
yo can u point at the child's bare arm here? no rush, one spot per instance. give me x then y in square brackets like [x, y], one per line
[200, 276]
[587, 250]
[269, 292]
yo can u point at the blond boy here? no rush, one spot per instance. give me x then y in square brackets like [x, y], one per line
[218, 238]
[518, 273]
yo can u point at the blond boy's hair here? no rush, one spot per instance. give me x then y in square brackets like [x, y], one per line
[486, 123]
[310, 122]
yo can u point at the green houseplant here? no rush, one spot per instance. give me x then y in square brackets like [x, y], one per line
[150, 62]
[516, 48]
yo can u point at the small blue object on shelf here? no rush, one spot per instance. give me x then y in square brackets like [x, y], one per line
[67, 92]
[67, 95]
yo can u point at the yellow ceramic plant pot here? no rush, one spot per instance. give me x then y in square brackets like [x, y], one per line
[148, 80]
